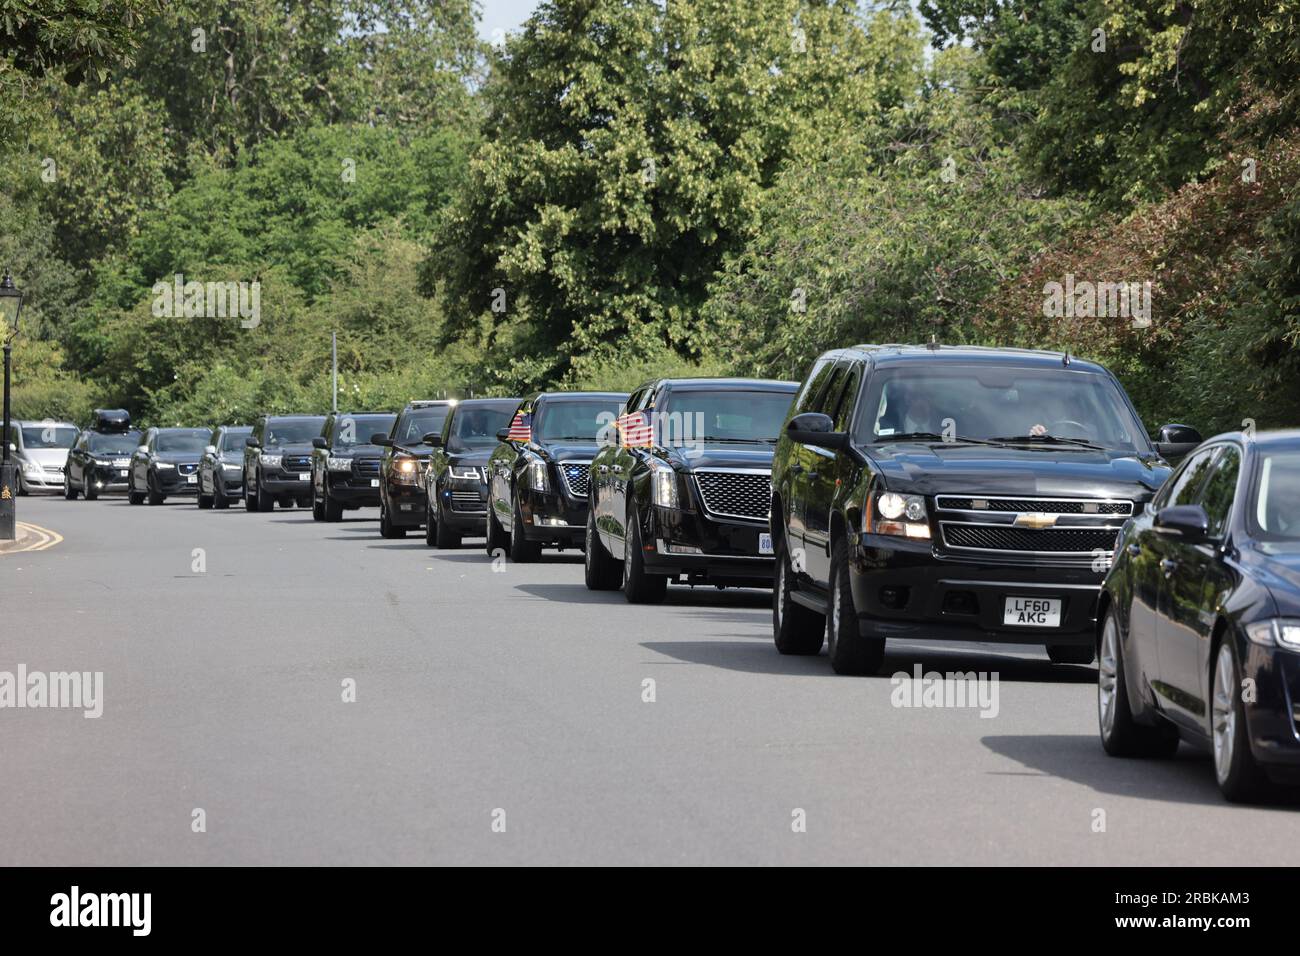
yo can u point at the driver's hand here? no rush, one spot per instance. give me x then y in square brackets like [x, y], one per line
[1038, 430]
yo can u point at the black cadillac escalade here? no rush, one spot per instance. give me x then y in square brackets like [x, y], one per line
[683, 493]
[954, 493]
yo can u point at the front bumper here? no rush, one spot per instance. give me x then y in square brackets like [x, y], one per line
[107, 478]
[285, 484]
[406, 504]
[1271, 720]
[730, 549]
[906, 589]
[172, 482]
[463, 506]
[552, 518]
[43, 480]
[353, 490]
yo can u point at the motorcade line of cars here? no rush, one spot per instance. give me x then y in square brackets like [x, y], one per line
[898, 492]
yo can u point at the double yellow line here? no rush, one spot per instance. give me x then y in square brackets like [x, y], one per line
[42, 538]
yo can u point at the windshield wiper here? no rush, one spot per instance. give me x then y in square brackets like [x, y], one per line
[1049, 440]
[932, 437]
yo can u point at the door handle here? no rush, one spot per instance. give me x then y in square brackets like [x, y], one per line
[1134, 549]
[1168, 566]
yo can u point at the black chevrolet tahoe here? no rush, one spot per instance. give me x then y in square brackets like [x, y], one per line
[538, 475]
[455, 485]
[401, 470]
[277, 461]
[954, 493]
[345, 463]
[683, 493]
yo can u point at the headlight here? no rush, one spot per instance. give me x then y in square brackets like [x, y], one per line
[30, 467]
[272, 460]
[232, 465]
[163, 465]
[338, 464]
[466, 472]
[891, 513]
[535, 475]
[406, 470]
[1282, 632]
[663, 484]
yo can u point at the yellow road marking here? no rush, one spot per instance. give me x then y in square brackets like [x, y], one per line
[45, 538]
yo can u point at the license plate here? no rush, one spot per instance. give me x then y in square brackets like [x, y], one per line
[374, 482]
[406, 507]
[304, 477]
[191, 479]
[764, 543]
[1032, 612]
[122, 473]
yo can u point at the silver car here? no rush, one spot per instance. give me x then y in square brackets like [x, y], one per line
[41, 450]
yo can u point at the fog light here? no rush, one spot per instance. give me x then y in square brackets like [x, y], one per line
[667, 547]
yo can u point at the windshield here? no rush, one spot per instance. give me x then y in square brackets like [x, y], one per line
[293, 431]
[476, 426]
[183, 439]
[48, 436]
[357, 429]
[419, 422]
[233, 440]
[693, 415]
[1275, 512]
[985, 403]
[116, 443]
[575, 420]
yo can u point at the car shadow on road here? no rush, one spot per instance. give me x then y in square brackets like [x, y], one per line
[1187, 777]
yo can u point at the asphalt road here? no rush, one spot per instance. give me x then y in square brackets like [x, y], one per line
[480, 691]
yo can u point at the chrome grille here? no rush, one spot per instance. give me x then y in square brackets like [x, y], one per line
[296, 463]
[366, 467]
[741, 493]
[1063, 541]
[577, 477]
[1056, 506]
[467, 501]
[187, 468]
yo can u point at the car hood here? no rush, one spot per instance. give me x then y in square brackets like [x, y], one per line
[981, 469]
[721, 455]
[46, 457]
[357, 451]
[567, 451]
[295, 448]
[478, 456]
[179, 457]
[1276, 565]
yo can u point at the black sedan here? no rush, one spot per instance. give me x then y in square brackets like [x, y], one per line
[165, 464]
[1199, 634]
[538, 475]
[221, 469]
[454, 484]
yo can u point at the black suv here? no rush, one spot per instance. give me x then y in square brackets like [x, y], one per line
[954, 493]
[221, 469]
[277, 461]
[538, 476]
[401, 470]
[166, 463]
[345, 463]
[683, 493]
[454, 484]
[100, 459]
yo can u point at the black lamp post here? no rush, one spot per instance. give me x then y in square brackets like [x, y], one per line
[11, 303]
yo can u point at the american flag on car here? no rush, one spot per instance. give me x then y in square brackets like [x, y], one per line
[636, 429]
[521, 428]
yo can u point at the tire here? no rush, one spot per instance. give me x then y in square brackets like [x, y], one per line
[442, 536]
[497, 540]
[220, 501]
[796, 629]
[69, 493]
[91, 493]
[155, 497]
[133, 496]
[522, 551]
[317, 509]
[1121, 734]
[849, 651]
[639, 587]
[264, 501]
[332, 510]
[1071, 653]
[601, 571]
[205, 502]
[1240, 777]
[430, 524]
[250, 498]
[386, 528]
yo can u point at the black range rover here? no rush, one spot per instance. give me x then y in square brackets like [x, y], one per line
[100, 458]
[345, 463]
[454, 483]
[277, 461]
[683, 493]
[401, 471]
[538, 475]
[954, 493]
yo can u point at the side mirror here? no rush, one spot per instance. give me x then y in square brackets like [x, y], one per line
[142, 448]
[380, 439]
[321, 443]
[433, 440]
[814, 428]
[13, 447]
[1188, 523]
[503, 434]
[251, 442]
[1175, 441]
[210, 450]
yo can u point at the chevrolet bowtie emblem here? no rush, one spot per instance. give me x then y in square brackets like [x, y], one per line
[1035, 519]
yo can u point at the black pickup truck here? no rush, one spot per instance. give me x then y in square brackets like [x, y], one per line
[954, 493]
